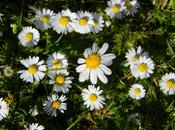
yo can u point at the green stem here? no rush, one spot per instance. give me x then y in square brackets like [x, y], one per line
[21, 15]
[76, 121]
[107, 109]
[59, 38]
[79, 87]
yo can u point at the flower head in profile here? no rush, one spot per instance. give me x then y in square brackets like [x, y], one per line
[83, 22]
[61, 81]
[4, 109]
[55, 104]
[167, 83]
[133, 55]
[29, 37]
[137, 91]
[42, 18]
[98, 23]
[63, 21]
[142, 68]
[95, 63]
[92, 97]
[131, 7]
[34, 126]
[35, 69]
[115, 9]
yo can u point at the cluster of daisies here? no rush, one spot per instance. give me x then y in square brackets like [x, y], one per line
[119, 8]
[142, 66]
[92, 67]
[82, 22]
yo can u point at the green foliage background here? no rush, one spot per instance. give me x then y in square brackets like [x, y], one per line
[153, 27]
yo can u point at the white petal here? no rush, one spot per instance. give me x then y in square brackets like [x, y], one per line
[103, 49]
[94, 48]
[81, 61]
[81, 68]
[101, 76]
[105, 69]
[84, 75]
[93, 76]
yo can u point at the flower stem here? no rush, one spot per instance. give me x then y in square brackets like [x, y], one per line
[76, 121]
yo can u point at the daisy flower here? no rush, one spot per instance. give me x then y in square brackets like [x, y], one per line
[34, 126]
[167, 83]
[92, 97]
[98, 23]
[131, 7]
[42, 18]
[134, 119]
[95, 64]
[137, 91]
[142, 68]
[84, 22]
[63, 22]
[133, 55]
[29, 37]
[55, 103]
[115, 9]
[60, 80]
[34, 70]
[57, 61]
[4, 109]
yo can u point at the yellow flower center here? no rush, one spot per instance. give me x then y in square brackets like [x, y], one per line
[137, 91]
[56, 104]
[64, 21]
[128, 5]
[57, 63]
[45, 19]
[29, 36]
[83, 21]
[170, 83]
[92, 97]
[116, 8]
[134, 58]
[32, 69]
[60, 79]
[142, 67]
[93, 61]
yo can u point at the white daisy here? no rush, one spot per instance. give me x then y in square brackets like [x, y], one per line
[55, 103]
[131, 7]
[57, 61]
[34, 126]
[63, 22]
[61, 81]
[137, 91]
[134, 119]
[115, 8]
[142, 67]
[4, 109]
[84, 22]
[92, 97]
[34, 70]
[29, 37]
[167, 83]
[94, 64]
[98, 23]
[133, 55]
[42, 18]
